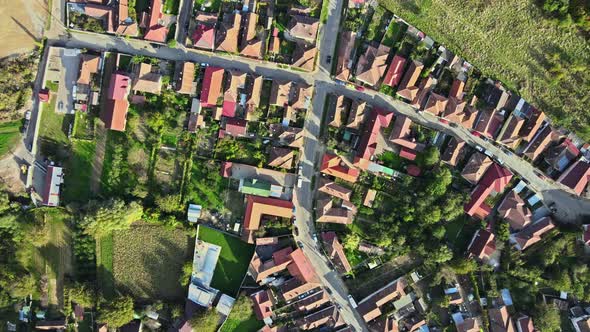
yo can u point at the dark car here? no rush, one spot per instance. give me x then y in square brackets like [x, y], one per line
[329, 59]
[296, 230]
[454, 125]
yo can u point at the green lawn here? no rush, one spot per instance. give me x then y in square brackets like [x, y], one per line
[104, 265]
[53, 133]
[83, 126]
[52, 86]
[147, 261]
[9, 134]
[242, 317]
[79, 172]
[512, 41]
[233, 260]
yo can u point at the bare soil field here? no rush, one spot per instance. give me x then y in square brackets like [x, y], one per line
[22, 25]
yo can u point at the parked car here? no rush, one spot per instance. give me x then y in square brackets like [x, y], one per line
[359, 88]
[479, 148]
[300, 244]
[454, 125]
[329, 59]
[441, 120]
[296, 230]
[299, 182]
[475, 133]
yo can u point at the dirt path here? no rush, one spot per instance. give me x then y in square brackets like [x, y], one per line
[100, 136]
[10, 174]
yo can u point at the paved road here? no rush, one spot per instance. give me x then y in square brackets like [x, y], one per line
[329, 35]
[183, 19]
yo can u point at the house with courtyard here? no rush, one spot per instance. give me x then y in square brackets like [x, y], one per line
[257, 208]
[494, 182]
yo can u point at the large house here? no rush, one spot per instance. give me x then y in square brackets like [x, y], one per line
[494, 181]
[211, 88]
[371, 137]
[336, 166]
[303, 27]
[482, 246]
[144, 80]
[532, 233]
[514, 210]
[114, 115]
[257, 207]
[476, 167]
[371, 65]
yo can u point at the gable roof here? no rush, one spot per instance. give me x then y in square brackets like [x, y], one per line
[204, 35]
[577, 176]
[335, 190]
[436, 104]
[395, 71]
[334, 165]
[453, 151]
[370, 307]
[482, 244]
[560, 156]
[251, 45]
[211, 87]
[146, 81]
[336, 251]
[407, 87]
[88, 66]
[378, 118]
[281, 157]
[303, 27]
[532, 125]
[254, 91]
[304, 56]
[372, 64]
[53, 180]
[345, 47]
[262, 304]
[356, 114]
[539, 143]
[509, 135]
[495, 180]
[236, 127]
[514, 210]
[226, 38]
[291, 136]
[115, 111]
[156, 31]
[279, 92]
[301, 268]
[186, 78]
[476, 167]
[500, 320]
[532, 233]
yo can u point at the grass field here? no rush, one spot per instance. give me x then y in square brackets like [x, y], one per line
[77, 183]
[233, 260]
[9, 133]
[513, 42]
[242, 317]
[53, 133]
[148, 260]
[104, 264]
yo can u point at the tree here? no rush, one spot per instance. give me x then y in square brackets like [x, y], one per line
[117, 312]
[440, 255]
[187, 271]
[463, 266]
[82, 294]
[502, 230]
[546, 318]
[430, 156]
[168, 203]
[205, 321]
[110, 216]
[438, 184]
[351, 242]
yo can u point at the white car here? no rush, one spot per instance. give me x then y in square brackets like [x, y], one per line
[352, 301]
[299, 182]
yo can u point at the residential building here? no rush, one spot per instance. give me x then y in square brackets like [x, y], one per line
[510, 133]
[211, 86]
[514, 210]
[263, 302]
[126, 24]
[281, 157]
[251, 45]
[331, 188]
[345, 52]
[226, 38]
[356, 114]
[370, 198]
[203, 36]
[257, 207]
[254, 91]
[539, 143]
[401, 134]
[293, 288]
[303, 27]
[144, 80]
[300, 98]
[234, 127]
[370, 307]
[231, 95]
[476, 167]
[395, 71]
[581, 324]
[482, 246]
[453, 151]
[494, 181]
[372, 142]
[436, 104]
[261, 270]
[532, 233]
[115, 110]
[336, 166]
[54, 177]
[407, 88]
[185, 82]
[329, 317]
[420, 96]
[335, 252]
[89, 66]
[532, 125]
[576, 176]
[304, 56]
[289, 136]
[336, 111]
[280, 92]
[157, 27]
[457, 88]
[525, 324]
[468, 325]
[500, 320]
[559, 157]
[371, 65]
[327, 212]
[489, 123]
[312, 301]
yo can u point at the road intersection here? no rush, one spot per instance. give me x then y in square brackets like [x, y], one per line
[569, 207]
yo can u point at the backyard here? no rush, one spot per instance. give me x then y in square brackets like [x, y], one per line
[53, 134]
[147, 261]
[79, 171]
[241, 317]
[9, 134]
[513, 42]
[233, 260]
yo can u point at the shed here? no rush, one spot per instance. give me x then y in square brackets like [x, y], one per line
[194, 212]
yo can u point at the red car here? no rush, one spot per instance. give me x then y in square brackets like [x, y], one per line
[476, 133]
[441, 120]
[359, 88]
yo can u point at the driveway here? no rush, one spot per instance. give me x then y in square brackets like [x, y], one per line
[70, 61]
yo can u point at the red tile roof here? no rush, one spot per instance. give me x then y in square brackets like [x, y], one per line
[262, 304]
[378, 119]
[257, 206]
[44, 95]
[211, 89]
[115, 111]
[407, 153]
[156, 32]
[235, 127]
[119, 86]
[334, 165]
[204, 36]
[494, 180]
[576, 177]
[482, 245]
[301, 268]
[395, 71]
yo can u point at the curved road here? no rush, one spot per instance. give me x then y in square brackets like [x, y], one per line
[569, 206]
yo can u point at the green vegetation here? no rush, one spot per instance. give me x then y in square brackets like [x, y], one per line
[16, 80]
[575, 13]
[206, 186]
[144, 258]
[53, 135]
[241, 317]
[206, 320]
[247, 151]
[233, 260]
[513, 42]
[325, 11]
[52, 86]
[9, 135]
[77, 182]
[116, 312]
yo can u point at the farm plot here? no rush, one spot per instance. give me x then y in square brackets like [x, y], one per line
[233, 260]
[148, 260]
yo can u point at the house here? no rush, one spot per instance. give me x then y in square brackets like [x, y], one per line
[335, 252]
[145, 80]
[289, 136]
[532, 233]
[304, 56]
[336, 166]
[226, 38]
[281, 157]
[260, 270]
[235, 127]
[53, 180]
[514, 210]
[301, 96]
[254, 91]
[280, 92]
[203, 36]
[407, 88]
[372, 64]
[494, 181]
[294, 288]
[301, 268]
[468, 325]
[395, 71]
[356, 114]
[312, 301]
[576, 176]
[329, 317]
[237, 81]
[331, 188]
[251, 45]
[329, 213]
[532, 125]
[420, 96]
[581, 323]
[525, 324]
[345, 49]
[89, 66]
[196, 119]
[371, 137]
[482, 245]
[539, 143]
[401, 134]
[500, 320]
[370, 307]
[103, 13]
[211, 87]
[461, 113]
[510, 133]
[407, 154]
[257, 207]
[115, 110]
[262, 304]
[157, 29]
[559, 157]
[126, 25]
[303, 27]
[453, 151]
[436, 104]
[185, 82]
[457, 88]
[476, 167]
[370, 198]
[489, 122]
[336, 111]
[495, 95]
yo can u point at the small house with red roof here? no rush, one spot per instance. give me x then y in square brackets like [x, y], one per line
[157, 29]
[336, 166]
[395, 72]
[494, 181]
[203, 36]
[577, 176]
[211, 88]
[114, 114]
[235, 127]
[482, 245]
